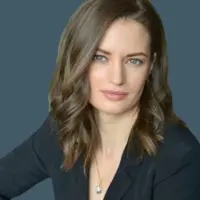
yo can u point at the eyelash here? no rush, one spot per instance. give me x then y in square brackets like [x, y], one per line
[135, 59]
[95, 56]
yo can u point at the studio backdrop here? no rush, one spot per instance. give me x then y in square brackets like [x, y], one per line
[29, 36]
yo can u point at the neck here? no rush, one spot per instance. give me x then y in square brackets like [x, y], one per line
[115, 131]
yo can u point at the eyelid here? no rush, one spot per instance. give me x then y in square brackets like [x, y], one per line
[99, 55]
[104, 57]
[138, 59]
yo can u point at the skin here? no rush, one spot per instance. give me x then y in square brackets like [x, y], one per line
[118, 71]
[114, 68]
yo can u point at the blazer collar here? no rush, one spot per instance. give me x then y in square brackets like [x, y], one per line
[125, 177]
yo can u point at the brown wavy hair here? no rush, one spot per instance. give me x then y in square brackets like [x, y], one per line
[69, 90]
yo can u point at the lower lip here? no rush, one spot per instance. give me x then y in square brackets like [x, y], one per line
[114, 97]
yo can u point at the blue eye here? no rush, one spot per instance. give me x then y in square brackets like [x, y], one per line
[136, 61]
[99, 57]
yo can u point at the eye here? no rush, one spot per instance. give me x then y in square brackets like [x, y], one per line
[136, 61]
[100, 58]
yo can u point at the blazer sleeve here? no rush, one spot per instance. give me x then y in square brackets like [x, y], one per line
[23, 167]
[184, 183]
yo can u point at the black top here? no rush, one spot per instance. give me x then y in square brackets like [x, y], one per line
[173, 174]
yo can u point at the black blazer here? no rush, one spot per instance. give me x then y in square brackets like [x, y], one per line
[173, 174]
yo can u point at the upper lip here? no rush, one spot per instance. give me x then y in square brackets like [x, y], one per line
[114, 92]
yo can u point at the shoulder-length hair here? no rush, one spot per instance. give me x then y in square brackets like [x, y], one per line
[69, 90]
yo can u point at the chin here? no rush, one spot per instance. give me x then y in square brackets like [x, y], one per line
[110, 108]
[111, 111]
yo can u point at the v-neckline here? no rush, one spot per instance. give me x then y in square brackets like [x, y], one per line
[122, 178]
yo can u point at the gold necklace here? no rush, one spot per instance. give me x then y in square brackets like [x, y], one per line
[99, 186]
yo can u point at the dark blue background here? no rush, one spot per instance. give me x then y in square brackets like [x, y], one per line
[29, 36]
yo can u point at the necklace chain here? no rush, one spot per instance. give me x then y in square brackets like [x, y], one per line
[99, 186]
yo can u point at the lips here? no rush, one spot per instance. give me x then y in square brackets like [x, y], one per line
[114, 92]
[114, 95]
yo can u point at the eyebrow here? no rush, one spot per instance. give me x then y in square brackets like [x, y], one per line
[128, 55]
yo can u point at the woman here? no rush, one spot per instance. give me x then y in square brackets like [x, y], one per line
[111, 132]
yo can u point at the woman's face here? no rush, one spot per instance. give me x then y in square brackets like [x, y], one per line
[120, 64]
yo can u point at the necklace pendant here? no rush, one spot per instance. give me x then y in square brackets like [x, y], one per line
[98, 189]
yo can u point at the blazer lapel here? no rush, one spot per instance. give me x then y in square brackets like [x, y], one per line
[125, 176]
[124, 179]
[80, 181]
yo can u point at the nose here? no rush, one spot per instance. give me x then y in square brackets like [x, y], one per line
[116, 73]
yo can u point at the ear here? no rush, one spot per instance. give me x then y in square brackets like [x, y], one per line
[152, 63]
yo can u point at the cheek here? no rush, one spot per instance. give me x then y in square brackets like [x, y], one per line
[96, 78]
[136, 81]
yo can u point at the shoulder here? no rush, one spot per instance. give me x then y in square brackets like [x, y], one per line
[178, 139]
[45, 141]
[176, 134]
[180, 148]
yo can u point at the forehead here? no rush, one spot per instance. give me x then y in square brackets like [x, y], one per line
[126, 35]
